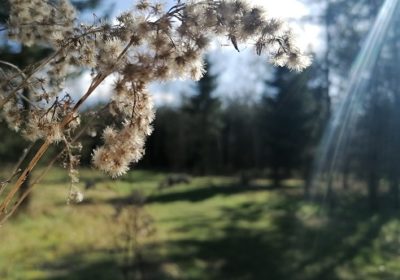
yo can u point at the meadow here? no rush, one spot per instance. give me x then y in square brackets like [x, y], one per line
[210, 228]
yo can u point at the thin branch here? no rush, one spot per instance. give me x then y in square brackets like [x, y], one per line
[16, 168]
[42, 64]
[39, 154]
[24, 175]
[15, 67]
[29, 190]
[27, 77]
[44, 172]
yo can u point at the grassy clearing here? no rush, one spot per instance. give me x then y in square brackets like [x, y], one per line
[209, 229]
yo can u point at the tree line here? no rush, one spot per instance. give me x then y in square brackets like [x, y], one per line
[276, 136]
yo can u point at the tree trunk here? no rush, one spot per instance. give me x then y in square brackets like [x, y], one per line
[330, 195]
[307, 177]
[276, 177]
[394, 191]
[346, 175]
[373, 190]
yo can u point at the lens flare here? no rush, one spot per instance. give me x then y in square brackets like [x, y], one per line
[350, 107]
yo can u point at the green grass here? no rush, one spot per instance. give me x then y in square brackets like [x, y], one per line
[209, 229]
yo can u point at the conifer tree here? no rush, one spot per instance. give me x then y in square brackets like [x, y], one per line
[287, 123]
[205, 124]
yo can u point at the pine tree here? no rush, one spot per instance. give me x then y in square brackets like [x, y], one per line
[205, 125]
[287, 123]
[240, 136]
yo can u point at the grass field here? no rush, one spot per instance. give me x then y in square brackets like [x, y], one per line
[208, 229]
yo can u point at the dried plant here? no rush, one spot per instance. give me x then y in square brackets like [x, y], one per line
[149, 43]
[132, 227]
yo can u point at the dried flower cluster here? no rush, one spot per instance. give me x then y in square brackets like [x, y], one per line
[38, 21]
[126, 145]
[146, 44]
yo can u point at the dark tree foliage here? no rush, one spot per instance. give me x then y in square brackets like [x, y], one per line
[370, 151]
[82, 5]
[378, 127]
[205, 125]
[289, 124]
[167, 147]
[241, 137]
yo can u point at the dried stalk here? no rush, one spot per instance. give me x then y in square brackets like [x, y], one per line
[39, 178]
[39, 154]
[16, 168]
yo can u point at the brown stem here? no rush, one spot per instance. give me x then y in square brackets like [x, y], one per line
[38, 179]
[39, 154]
[26, 78]
[17, 167]
[23, 176]
[28, 191]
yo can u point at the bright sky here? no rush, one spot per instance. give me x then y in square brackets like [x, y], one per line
[283, 8]
[235, 70]
[277, 8]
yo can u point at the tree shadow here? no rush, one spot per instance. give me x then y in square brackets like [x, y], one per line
[350, 230]
[192, 194]
[255, 240]
[289, 248]
[204, 193]
[78, 266]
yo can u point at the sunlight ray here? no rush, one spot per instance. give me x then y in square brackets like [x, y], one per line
[344, 117]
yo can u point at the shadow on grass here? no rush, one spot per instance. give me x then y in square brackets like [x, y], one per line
[204, 193]
[70, 269]
[190, 194]
[79, 267]
[277, 240]
[200, 194]
[287, 249]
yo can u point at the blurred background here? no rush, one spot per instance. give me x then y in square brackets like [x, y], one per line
[254, 172]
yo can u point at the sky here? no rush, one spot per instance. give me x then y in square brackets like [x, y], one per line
[277, 8]
[235, 71]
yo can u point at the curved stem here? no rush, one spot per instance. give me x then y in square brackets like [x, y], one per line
[26, 78]
[39, 154]
[16, 169]
[38, 179]
[24, 175]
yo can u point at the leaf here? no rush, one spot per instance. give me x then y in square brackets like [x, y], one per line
[234, 42]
